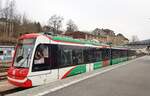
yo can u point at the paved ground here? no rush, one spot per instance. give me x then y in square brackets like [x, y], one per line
[130, 80]
[4, 86]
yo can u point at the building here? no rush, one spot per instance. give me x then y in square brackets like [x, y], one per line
[51, 29]
[115, 40]
[80, 35]
[98, 31]
[121, 40]
[85, 35]
[110, 36]
[103, 32]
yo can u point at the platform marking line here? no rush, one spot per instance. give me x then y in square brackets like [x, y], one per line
[78, 80]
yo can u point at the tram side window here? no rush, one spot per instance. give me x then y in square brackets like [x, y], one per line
[1, 52]
[106, 54]
[120, 53]
[129, 53]
[41, 58]
[114, 54]
[124, 53]
[77, 56]
[54, 56]
[65, 58]
[92, 55]
[88, 55]
[98, 54]
[70, 55]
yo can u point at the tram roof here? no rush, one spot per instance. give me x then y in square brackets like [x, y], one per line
[72, 40]
[120, 47]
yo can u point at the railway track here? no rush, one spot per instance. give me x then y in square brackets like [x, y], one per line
[3, 73]
[6, 88]
[10, 91]
[3, 77]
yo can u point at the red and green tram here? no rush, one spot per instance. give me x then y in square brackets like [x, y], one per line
[41, 58]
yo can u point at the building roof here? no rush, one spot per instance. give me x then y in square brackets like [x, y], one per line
[121, 35]
[81, 32]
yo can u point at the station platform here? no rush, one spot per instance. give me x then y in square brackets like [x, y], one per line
[130, 78]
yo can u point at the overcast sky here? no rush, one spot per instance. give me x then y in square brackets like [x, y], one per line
[129, 17]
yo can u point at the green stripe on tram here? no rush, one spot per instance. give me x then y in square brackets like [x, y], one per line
[77, 70]
[115, 61]
[118, 60]
[97, 65]
[124, 59]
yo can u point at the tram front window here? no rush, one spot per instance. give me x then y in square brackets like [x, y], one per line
[23, 53]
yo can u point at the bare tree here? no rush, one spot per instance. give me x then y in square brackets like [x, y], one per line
[71, 26]
[134, 38]
[17, 24]
[38, 27]
[12, 23]
[56, 23]
[0, 8]
[148, 50]
[24, 19]
[8, 13]
[9, 10]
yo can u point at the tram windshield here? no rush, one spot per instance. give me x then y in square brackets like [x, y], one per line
[23, 53]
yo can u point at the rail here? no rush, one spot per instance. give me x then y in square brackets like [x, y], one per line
[4, 65]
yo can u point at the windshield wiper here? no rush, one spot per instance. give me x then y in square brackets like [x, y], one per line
[20, 67]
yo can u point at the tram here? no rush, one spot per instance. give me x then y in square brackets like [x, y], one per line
[6, 52]
[6, 55]
[41, 58]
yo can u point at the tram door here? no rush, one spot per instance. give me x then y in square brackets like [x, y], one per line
[42, 64]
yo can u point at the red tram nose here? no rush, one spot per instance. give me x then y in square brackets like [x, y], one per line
[18, 77]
